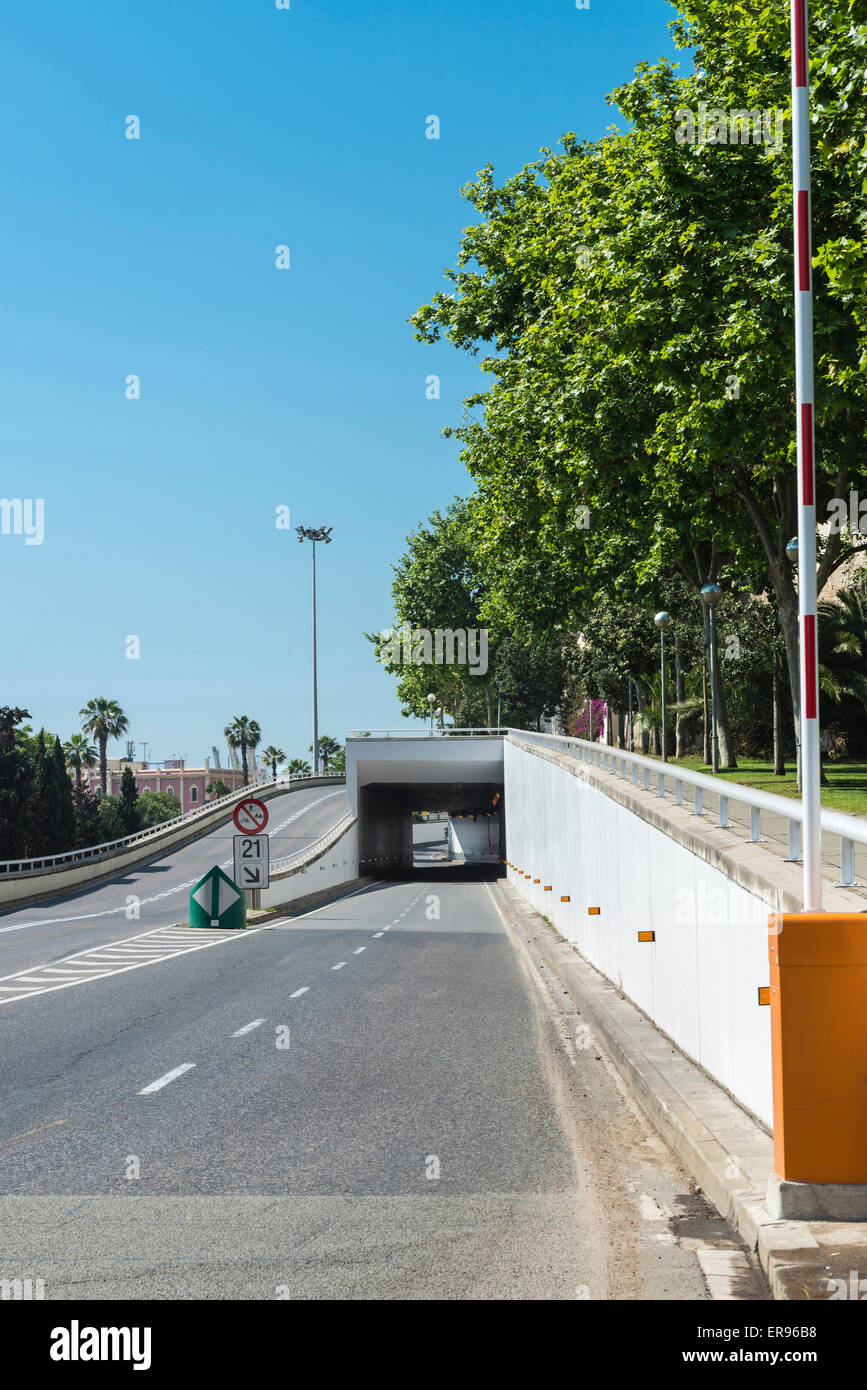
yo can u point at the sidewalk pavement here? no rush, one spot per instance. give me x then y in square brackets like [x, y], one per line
[729, 1153]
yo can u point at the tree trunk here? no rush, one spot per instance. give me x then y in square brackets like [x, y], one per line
[488, 704]
[724, 737]
[103, 764]
[244, 768]
[705, 725]
[680, 696]
[779, 763]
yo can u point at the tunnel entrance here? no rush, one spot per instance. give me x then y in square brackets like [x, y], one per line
[391, 776]
[387, 845]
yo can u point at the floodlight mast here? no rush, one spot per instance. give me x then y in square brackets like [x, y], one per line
[314, 534]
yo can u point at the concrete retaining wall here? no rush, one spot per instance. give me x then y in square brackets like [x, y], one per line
[333, 868]
[698, 980]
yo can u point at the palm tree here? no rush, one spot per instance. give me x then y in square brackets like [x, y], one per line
[243, 733]
[273, 756]
[328, 746]
[104, 719]
[298, 767]
[79, 753]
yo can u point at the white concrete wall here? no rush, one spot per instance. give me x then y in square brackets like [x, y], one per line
[475, 839]
[699, 980]
[336, 866]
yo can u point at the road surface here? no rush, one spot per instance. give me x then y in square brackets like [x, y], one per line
[373, 1100]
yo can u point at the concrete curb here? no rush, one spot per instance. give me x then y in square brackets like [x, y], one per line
[729, 1153]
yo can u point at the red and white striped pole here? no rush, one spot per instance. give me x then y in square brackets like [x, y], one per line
[809, 672]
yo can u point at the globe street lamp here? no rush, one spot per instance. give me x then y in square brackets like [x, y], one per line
[662, 620]
[314, 534]
[431, 699]
[710, 597]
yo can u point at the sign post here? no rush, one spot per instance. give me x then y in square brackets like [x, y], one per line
[252, 847]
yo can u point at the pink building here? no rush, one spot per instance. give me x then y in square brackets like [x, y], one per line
[188, 784]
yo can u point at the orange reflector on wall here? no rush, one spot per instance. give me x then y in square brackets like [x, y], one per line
[764, 994]
[567, 899]
[547, 887]
[647, 936]
[537, 880]
[593, 911]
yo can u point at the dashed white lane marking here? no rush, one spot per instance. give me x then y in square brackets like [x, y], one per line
[339, 966]
[149, 948]
[358, 950]
[248, 1027]
[376, 934]
[164, 1080]
[303, 990]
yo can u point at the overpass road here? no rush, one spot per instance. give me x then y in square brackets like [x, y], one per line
[156, 894]
[376, 1099]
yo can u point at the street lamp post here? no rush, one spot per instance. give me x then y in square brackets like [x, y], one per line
[431, 699]
[710, 597]
[629, 739]
[314, 534]
[662, 620]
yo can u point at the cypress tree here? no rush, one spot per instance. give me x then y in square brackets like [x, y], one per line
[16, 782]
[59, 791]
[87, 829]
[129, 815]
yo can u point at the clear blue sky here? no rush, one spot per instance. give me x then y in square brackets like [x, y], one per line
[259, 387]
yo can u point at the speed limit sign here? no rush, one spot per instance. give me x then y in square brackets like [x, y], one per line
[250, 816]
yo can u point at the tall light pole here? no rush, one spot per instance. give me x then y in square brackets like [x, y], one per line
[431, 699]
[710, 597]
[809, 665]
[662, 620]
[314, 534]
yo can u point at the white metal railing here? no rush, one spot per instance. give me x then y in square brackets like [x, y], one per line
[10, 867]
[317, 847]
[426, 733]
[851, 830]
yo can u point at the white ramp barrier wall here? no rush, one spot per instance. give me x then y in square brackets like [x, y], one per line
[699, 979]
[331, 862]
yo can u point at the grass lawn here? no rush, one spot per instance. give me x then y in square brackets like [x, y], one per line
[847, 790]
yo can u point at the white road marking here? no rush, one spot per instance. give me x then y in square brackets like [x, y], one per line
[358, 950]
[303, 990]
[339, 966]
[248, 1027]
[169, 1076]
[376, 934]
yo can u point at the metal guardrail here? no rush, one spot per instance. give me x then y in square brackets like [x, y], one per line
[313, 850]
[109, 848]
[851, 830]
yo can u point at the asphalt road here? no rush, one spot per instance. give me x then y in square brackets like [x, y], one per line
[156, 894]
[373, 1100]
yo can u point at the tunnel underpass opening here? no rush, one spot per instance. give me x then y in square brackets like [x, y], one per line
[385, 815]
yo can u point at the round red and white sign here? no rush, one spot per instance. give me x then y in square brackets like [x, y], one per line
[250, 816]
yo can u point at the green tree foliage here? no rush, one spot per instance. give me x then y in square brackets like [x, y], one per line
[79, 754]
[243, 733]
[156, 807]
[298, 767]
[633, 298]
[129, 809]
[87, 821]
[104, 719]
[328, 749]
[272, 756]
[215, 789]
[16, 778]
